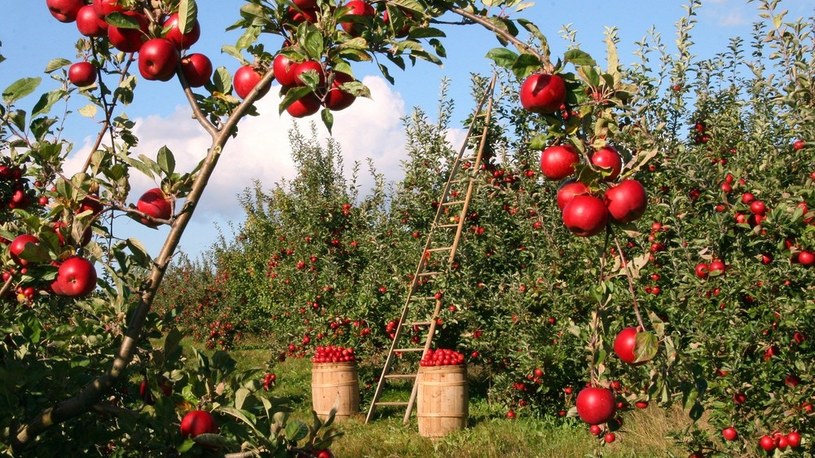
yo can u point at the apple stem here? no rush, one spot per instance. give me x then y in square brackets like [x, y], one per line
[630, 282]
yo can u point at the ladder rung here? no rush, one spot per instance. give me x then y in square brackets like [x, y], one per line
[453, 202]
[392, 403]
[409, 349]
[448, 225]
[461, 180]
[444, 248]
[420, 323]
[428, 274]
[424, 298]
[401, 376]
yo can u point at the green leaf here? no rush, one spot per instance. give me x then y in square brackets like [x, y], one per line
[502, 57]
[187, 15]
[411, 5]
[233, 51]
[122, 21]
[579, 58]
[240, 397]
[19, 89]
[296, 431]
[166, 160]
[47, 101]
[646, 346]
[426, 32]
[328, 119]
[89, 110]
[222, 80]
[56, 64]
[243, 416]
[140, 254]
[313, 43]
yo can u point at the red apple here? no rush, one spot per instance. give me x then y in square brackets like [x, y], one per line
[767, 443]
[245, 79]
[794, 439]
[76, 277]
[302, 15]
[105, 7]
[625, 345]
[197, 422]
[82, 74]
[798, 145]
[155, 204]
[585, 215]
[405, 29]
[197, 69]
[558, 161]
[595, 405]
[158, 59]
[806, 258]
[702, 270]
[89, 23]
[303, 67]
[543, 93]
[64, 10]
[304, 106]
[362, 11]
[129, 40]
[627, 201]
[177, 37]
[18, 245]
[283, 68]
[337, 99]
[568, 190]
[730, 433]
[608, 159]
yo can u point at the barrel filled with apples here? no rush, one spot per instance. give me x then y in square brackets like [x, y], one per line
[442, 397]
[334, 382]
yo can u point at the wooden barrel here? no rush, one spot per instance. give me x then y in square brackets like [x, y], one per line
[442, 400]
[335, 384]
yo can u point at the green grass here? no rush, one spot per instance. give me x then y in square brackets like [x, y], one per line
[488, 434]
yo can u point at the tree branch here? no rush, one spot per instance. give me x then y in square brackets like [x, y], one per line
[92, 393]
[523, 47]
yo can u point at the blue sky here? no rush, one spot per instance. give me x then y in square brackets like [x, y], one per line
[31, 37]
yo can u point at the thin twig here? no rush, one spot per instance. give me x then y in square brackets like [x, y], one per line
[630, 283]
[545, 61]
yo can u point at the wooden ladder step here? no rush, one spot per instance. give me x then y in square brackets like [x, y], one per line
[411, 349]
[392, 403]
[453, 202]
[419, 323]
[428, 274]
[423, 298]
[444, 248]
[401, 376]
[448, 225]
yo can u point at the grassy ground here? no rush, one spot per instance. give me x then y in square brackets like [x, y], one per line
[489, 434]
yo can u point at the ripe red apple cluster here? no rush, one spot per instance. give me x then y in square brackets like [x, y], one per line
[780, 441]
[221, 334]
[159, 52]
[333, 354]
[197, 422]
[15, 191]
[76, 276]
[583, 212]
[269, 379]
[715, 267]
[288, 74]
[442, 357]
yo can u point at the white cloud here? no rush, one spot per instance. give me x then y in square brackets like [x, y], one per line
[369, 128]
[732, 18]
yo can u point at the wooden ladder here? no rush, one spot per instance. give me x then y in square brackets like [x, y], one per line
[463, 172]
